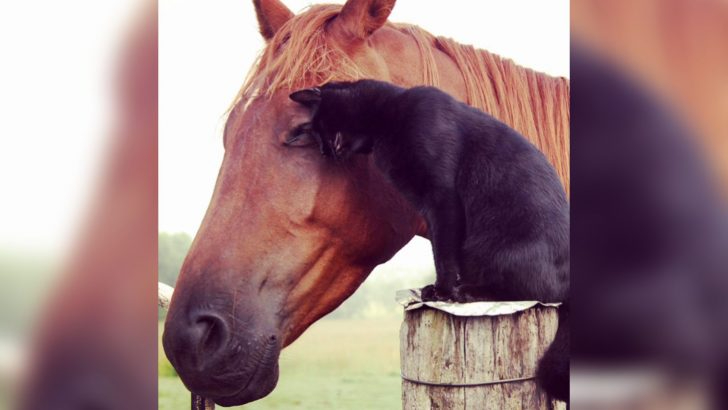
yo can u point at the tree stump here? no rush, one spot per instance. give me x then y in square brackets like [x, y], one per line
[475, 362]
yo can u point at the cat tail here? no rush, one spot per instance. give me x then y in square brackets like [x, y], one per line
[552, 374]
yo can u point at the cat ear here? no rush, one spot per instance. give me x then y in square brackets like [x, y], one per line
[309, 97]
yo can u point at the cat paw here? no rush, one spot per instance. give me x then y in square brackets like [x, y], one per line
[470, 293]
[462, 294]
[431, 293]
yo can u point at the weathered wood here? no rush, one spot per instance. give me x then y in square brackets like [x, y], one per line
[439, 348]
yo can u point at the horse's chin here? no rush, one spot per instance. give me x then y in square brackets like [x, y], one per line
[260, 385]
[234, 383]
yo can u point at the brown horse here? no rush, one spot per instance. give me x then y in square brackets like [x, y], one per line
[289, 236]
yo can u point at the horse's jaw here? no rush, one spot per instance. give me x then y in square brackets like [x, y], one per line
[309, 301]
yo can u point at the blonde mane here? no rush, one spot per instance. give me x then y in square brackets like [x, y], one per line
[535, 104]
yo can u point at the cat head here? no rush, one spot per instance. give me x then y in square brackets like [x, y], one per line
[332, 119]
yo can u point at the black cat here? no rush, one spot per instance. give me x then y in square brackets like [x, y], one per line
[497, 214]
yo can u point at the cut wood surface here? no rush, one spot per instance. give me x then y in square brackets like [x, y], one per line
[467, 363]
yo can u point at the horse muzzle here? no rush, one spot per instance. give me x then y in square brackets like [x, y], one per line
[222, 358]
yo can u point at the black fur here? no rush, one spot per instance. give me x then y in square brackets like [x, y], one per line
[497, 214]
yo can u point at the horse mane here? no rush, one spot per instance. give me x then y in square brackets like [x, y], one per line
[533, 103]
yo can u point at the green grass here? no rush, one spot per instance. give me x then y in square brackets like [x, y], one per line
[336, 364]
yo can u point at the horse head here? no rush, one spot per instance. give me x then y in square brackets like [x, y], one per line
[288, 235]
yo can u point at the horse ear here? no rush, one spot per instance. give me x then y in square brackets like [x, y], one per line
[272, 14]
[361, 18]
[310, 97]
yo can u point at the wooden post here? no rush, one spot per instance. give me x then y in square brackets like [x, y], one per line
[474, 362]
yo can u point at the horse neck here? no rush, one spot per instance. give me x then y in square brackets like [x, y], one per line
[533, 103]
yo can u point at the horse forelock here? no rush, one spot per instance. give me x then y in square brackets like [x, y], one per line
[294, 61]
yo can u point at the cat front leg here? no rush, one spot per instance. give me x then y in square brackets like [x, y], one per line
[446, 224]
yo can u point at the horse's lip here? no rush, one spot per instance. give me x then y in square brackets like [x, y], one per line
[242, 396]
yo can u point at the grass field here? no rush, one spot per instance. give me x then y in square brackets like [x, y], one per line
[337, 364]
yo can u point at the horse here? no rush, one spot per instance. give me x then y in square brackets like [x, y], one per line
[289, 236]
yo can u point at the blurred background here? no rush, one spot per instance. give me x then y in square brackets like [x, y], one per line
[57, 110]
[70, 74]
[649, 158]
[351, 357]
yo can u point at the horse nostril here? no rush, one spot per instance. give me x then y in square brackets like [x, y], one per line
[210, 334]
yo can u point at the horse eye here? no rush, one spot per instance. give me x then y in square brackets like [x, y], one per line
[299, 140]
[301, 136]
